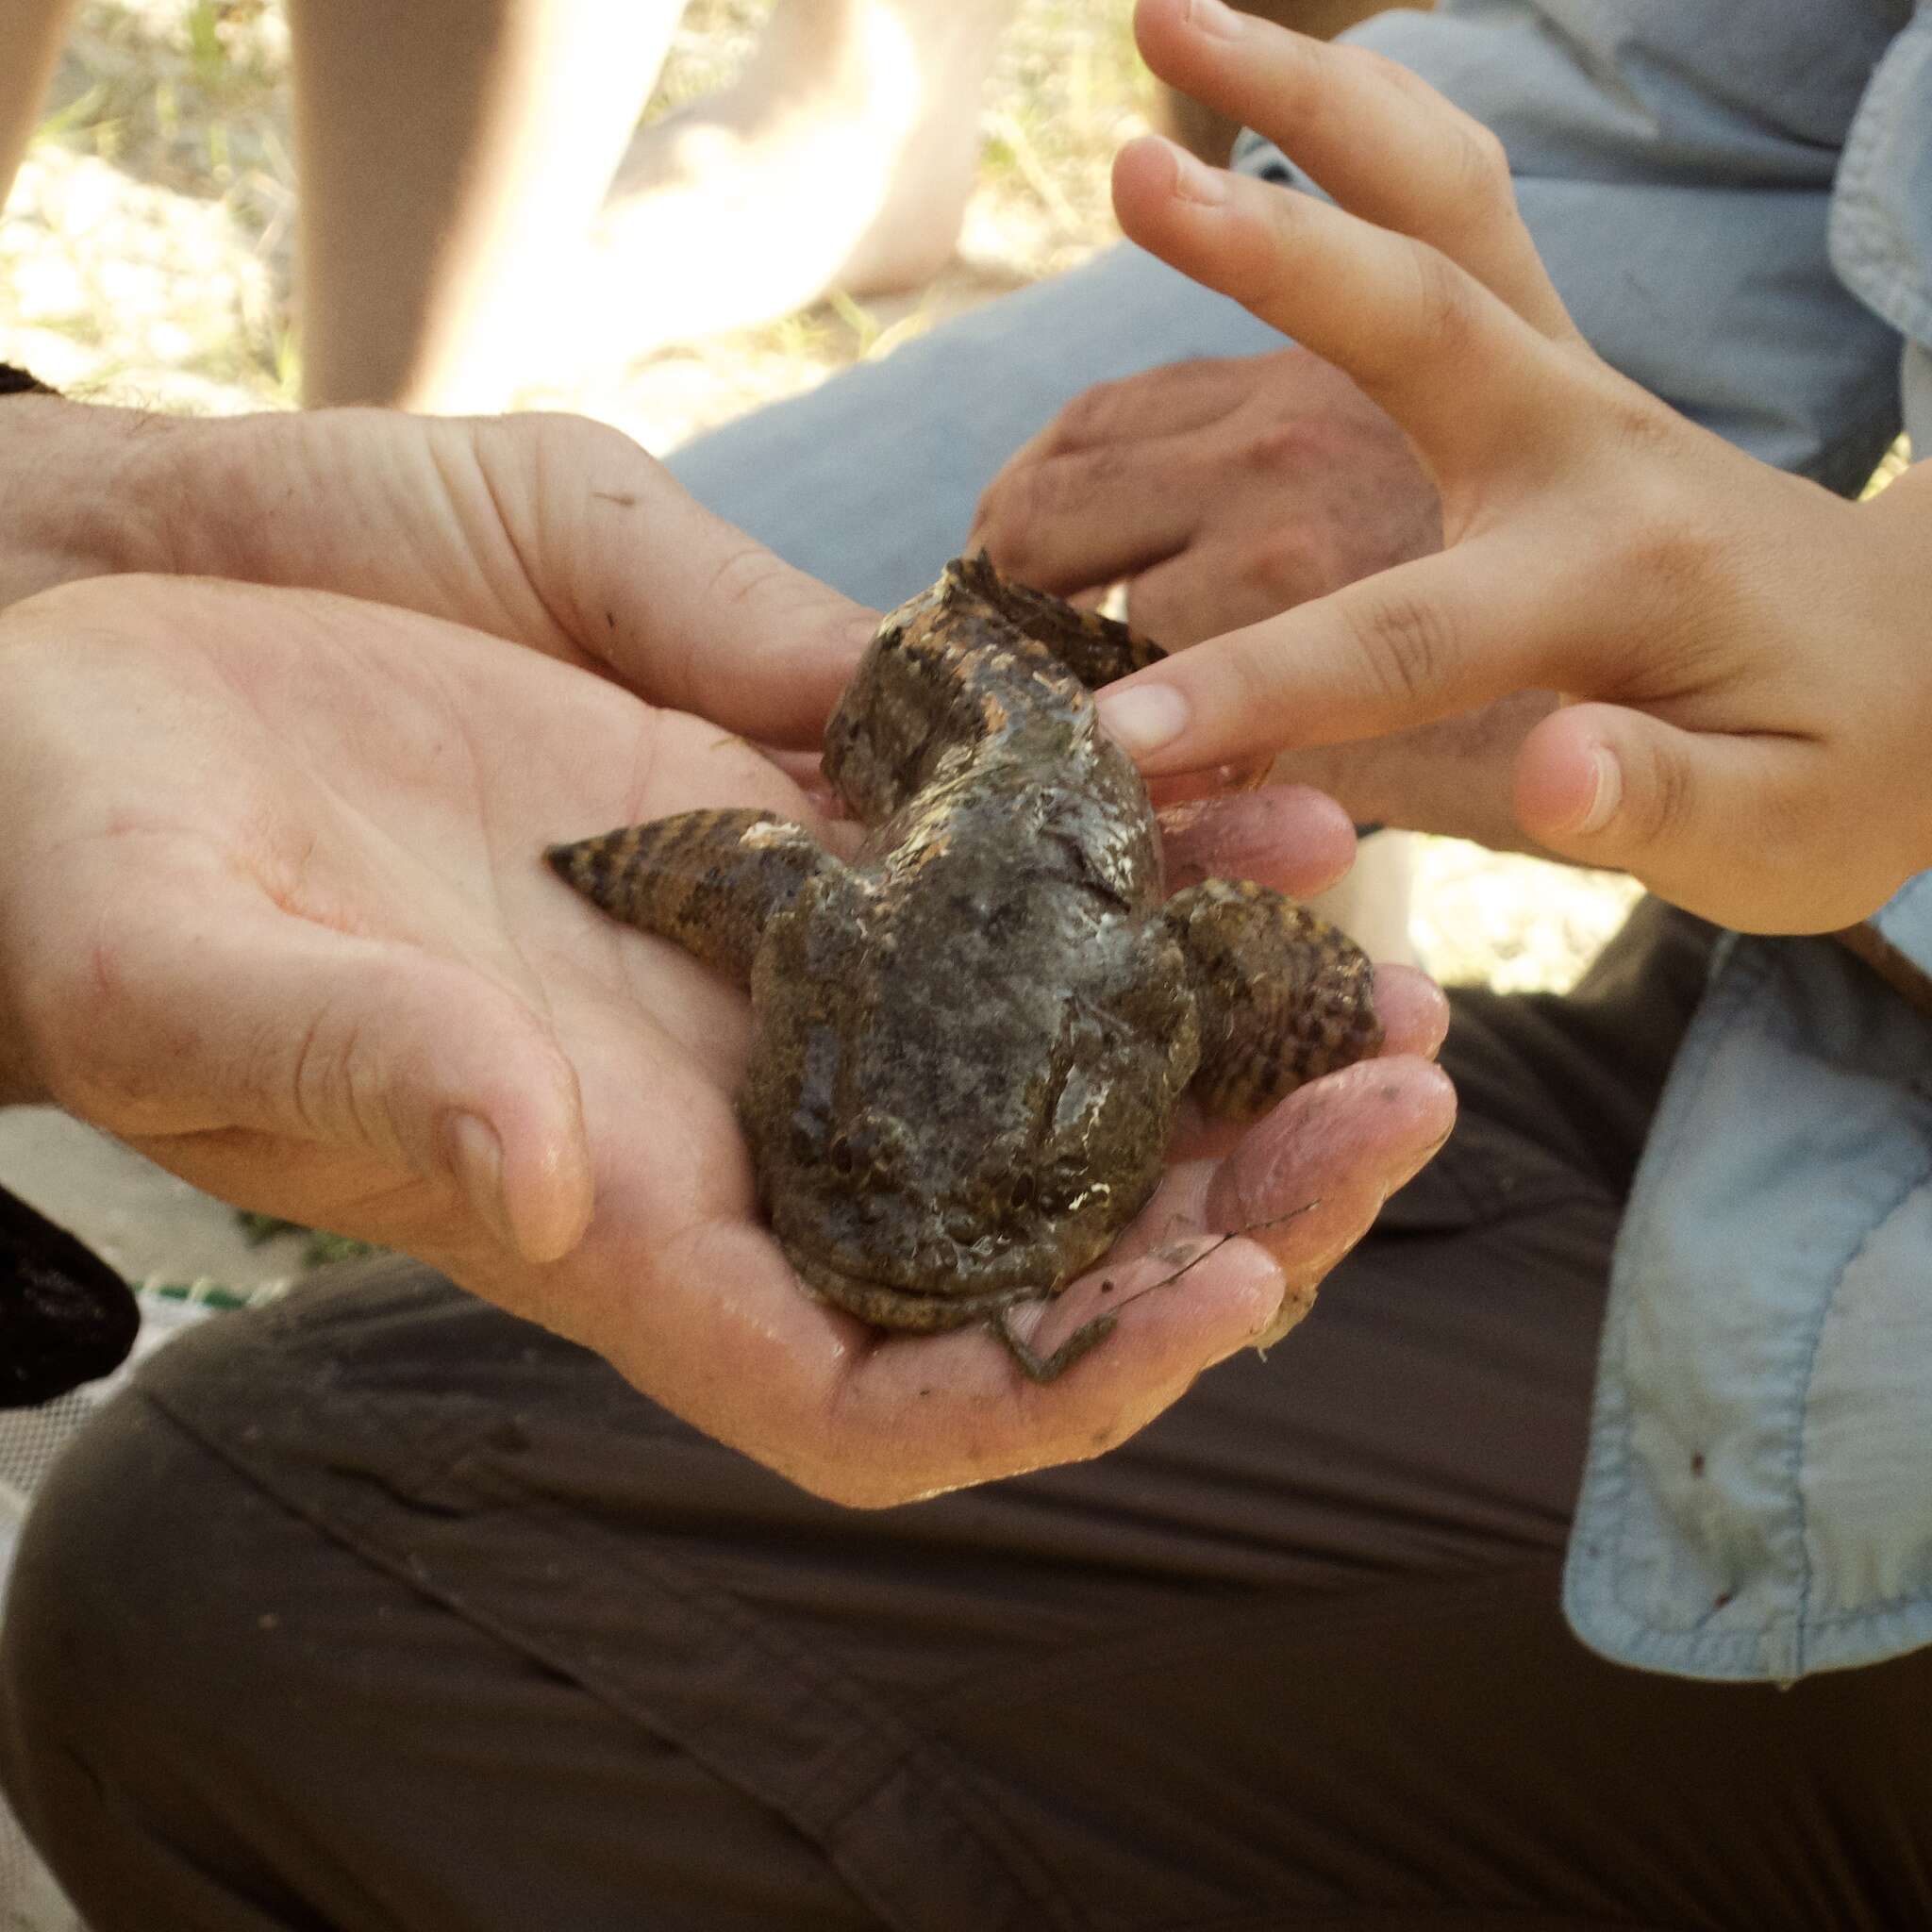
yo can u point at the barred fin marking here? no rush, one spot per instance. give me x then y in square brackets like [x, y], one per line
[1283, 995]
[710, 880]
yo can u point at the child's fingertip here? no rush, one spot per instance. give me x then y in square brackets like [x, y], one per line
[1605, 793]
[1194, 181]
[1214, 19]
[1151, 164]
[1145, 718]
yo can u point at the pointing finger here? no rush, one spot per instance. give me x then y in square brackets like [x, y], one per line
[1377, 138]
[1461, 371]
[1410, 644]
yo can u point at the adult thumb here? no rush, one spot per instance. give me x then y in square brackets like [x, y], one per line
[273, 1025]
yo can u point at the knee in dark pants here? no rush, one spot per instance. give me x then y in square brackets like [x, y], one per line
[75, 1605]
[108, 1670]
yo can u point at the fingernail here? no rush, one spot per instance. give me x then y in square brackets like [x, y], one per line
[1196, 181]
[1412, 1164]
[476, 1156]
[1607, 794]
[1145, 719]
[1295, 1302]
[1211, 17]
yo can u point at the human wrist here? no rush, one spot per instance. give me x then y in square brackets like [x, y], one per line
[78, 489]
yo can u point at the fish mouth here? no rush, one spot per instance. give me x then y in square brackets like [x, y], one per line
[890, 1305]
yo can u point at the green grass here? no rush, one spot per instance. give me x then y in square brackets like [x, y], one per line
[319, 1248]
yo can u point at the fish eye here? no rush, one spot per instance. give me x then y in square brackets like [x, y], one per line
[1023, 1191]
[841, 1154]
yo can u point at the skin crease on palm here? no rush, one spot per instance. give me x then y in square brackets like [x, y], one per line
[274, 912]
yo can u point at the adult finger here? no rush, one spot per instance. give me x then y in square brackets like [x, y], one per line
[1413, 1009]
[1290, 836]
[1306, 1181]
[1214, 587]
[552, 531]
[1472, 383]
[1311, 1178]
[200, 1011]
[685, 608]
[1068, 522]
[1167, 401]
[1377, 138]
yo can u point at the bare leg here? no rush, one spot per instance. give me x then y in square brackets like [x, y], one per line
[30, 33]
[1211, 135]
[843, 159]
[453, 154]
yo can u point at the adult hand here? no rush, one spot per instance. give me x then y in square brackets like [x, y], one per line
[1743, 653]
[552, 531]
[272, 909]
[1220, 491]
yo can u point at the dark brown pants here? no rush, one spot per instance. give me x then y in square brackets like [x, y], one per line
[382, 1610]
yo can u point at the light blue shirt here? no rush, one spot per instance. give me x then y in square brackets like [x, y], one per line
[1735, 198]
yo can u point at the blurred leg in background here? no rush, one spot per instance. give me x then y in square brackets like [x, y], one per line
[452, 155]
[843, 158]
[31, 32]
[455, 155]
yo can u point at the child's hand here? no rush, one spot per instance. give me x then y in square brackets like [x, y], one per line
[1758, 647]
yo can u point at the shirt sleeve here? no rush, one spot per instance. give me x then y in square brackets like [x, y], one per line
[1677, 166]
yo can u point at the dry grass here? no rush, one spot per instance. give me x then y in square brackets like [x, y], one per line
[145, 256]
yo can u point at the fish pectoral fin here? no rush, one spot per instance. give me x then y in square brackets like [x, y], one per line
[1282, 995]
[710, 880]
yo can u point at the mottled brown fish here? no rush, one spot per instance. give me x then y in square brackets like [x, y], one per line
[970, 1043]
